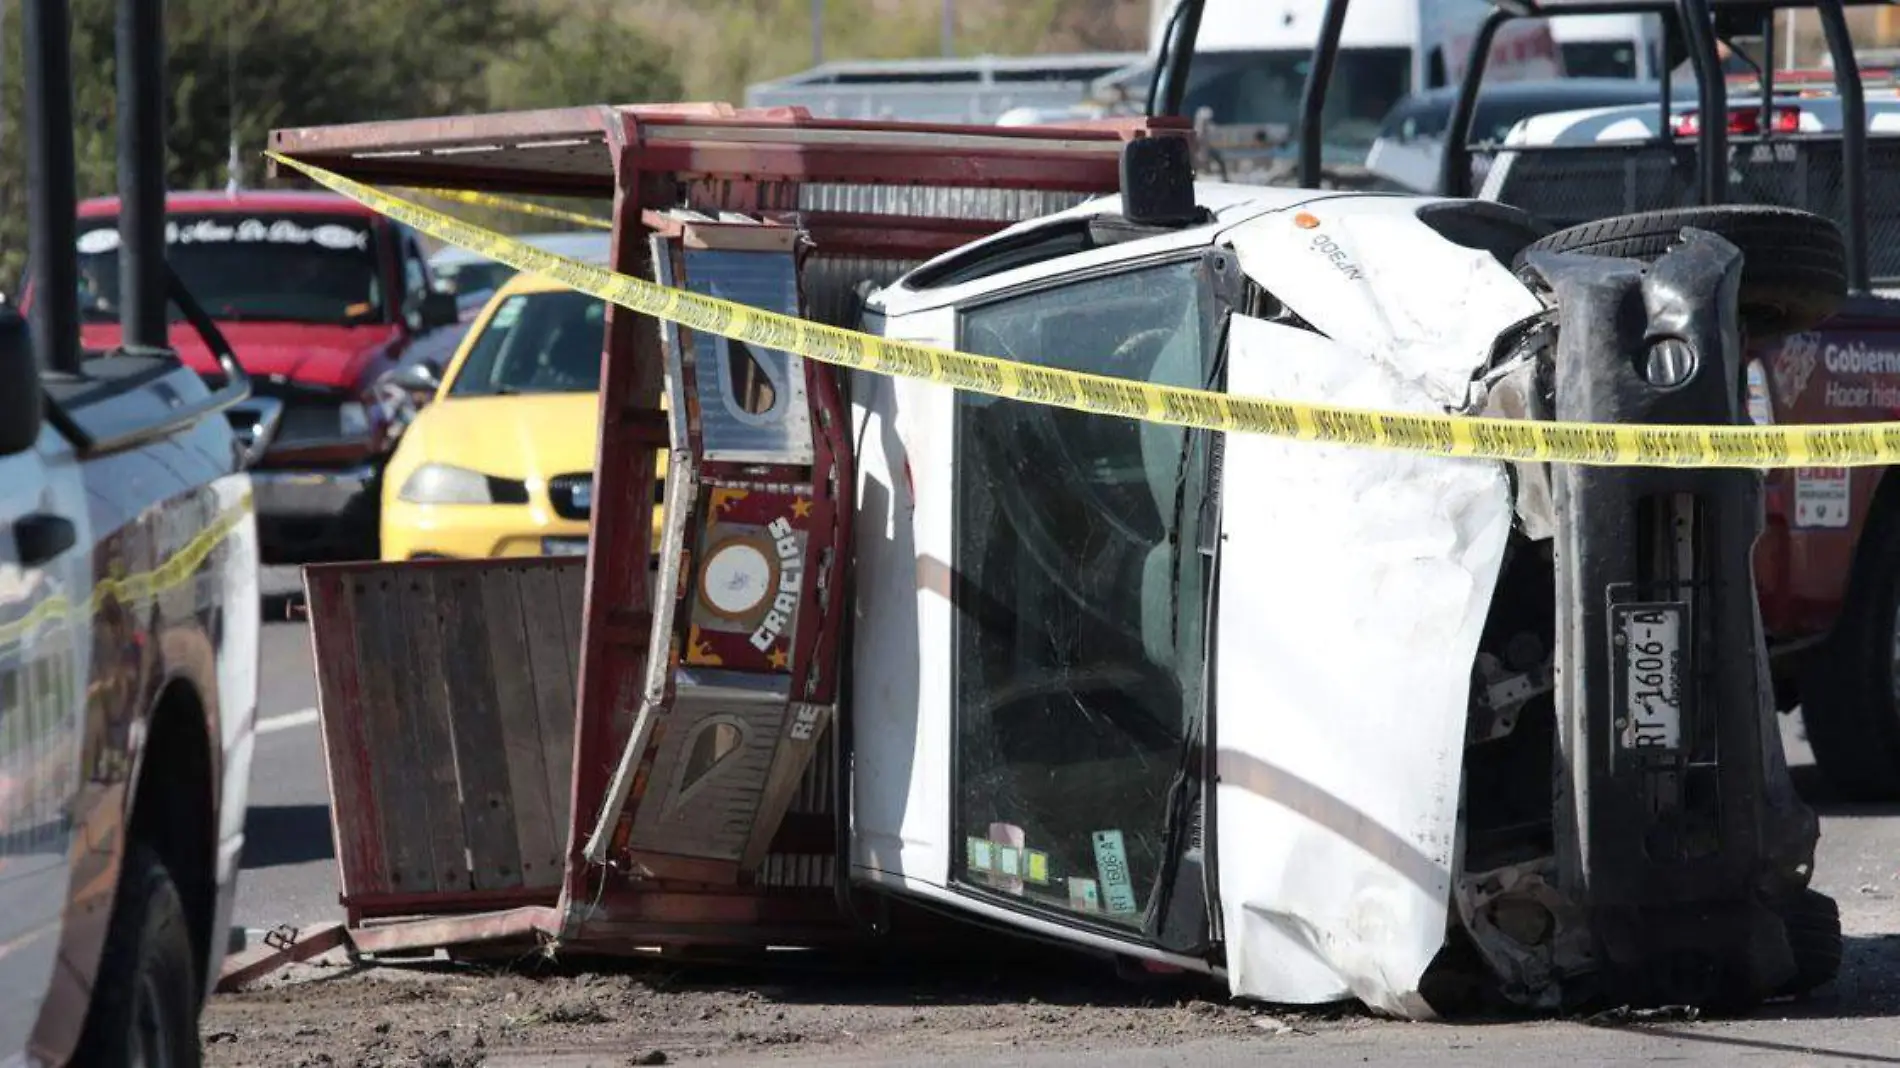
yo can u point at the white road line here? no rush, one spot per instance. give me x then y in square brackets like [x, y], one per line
[287, 721]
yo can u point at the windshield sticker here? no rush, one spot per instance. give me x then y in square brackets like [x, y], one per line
[982, 855]
[1083, 896]
[332, 236]
[508, 314]
[1111, 863]
[1036, 867]
[1009, 840]
[1009, 862]
[94, 242]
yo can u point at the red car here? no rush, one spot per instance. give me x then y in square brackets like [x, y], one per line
[320, 299]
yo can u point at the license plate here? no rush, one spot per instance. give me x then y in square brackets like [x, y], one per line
[564, 546]
[1648, 654]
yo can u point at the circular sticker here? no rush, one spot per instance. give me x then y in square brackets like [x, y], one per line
[736, 580]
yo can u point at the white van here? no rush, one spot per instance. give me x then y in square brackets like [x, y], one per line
[1251, 59]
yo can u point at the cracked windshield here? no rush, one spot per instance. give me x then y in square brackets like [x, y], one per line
[1079, 628]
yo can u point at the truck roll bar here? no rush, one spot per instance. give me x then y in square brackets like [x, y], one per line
[1695, 21]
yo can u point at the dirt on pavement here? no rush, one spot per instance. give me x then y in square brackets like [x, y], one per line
[439, 1015]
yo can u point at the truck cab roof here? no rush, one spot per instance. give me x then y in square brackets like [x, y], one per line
[208, 201]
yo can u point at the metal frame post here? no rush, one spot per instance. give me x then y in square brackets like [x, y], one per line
[1313, 97]
[141, 88]
[1454, 163]
[52, 200]
[1698, 27]
[1175, 58]
[616, 628]
[1840, 47]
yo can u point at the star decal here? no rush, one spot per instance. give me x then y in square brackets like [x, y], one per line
[801, 507]
[778, 659]
[700, 652]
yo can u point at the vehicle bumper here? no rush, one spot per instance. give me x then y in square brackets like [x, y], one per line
[1678, 832]
[477, 531]
[312, 515]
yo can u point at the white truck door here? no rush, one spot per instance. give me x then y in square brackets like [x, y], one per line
[45, 598]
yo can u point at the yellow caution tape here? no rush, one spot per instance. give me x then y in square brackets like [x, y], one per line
[519, 207]
[1469, 437]
[175, 571]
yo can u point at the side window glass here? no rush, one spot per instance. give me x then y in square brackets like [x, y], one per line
[415, 281]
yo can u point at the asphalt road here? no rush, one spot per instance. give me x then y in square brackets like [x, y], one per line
[290, 877]
[289, 864]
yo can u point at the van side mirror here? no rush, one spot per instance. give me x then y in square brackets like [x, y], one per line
[438, 309]
[21, 400]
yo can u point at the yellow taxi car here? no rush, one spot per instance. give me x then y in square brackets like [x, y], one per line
[500, 462]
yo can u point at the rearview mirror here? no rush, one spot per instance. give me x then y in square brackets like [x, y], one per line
[438, 309]
[20, 396]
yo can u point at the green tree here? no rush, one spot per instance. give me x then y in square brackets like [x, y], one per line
[238, 68]
[591, 56]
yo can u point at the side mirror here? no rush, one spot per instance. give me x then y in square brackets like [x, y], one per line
[21, 400]
[420, 380]
[438, 309]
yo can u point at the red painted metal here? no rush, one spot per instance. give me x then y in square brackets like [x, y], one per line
[353, 800]
[278, 950]
[655, 159]
[560, 151]
[533, 922]
[617, 621]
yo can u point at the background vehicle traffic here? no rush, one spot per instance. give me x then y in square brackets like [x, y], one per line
[500, 460]
[129, 616]
[321, 300]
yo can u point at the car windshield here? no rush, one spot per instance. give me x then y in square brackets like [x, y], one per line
[1263, 88]
[1081, 596]
[249, 266]
[536, 343]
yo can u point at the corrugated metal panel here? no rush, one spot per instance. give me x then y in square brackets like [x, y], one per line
[943, 202]
[830, 284]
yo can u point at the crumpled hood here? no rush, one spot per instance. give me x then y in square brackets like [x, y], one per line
[314, 354]
[531, 437]
[1353, 591]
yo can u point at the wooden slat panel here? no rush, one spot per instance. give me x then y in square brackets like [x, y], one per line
[354, 800]
[475, 724]
[570, 590]
[382, 657]
[540, 834]
[425, 670]
[553, 644]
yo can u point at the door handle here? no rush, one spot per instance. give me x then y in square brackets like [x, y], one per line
[41, 536]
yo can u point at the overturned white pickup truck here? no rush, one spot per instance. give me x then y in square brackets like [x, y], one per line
[1334, 720]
